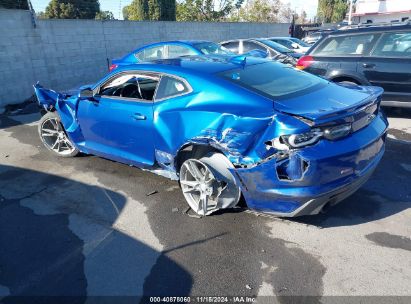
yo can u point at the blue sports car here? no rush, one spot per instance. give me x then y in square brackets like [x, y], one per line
[289, 142]
[169, 50]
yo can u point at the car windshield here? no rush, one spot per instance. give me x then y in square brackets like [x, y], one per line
[276, 46]
[210, 48]
[300, 42]
[274, 80]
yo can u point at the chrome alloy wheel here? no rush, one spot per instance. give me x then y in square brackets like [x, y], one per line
[207, 183]
[199, 186]
[54, 137]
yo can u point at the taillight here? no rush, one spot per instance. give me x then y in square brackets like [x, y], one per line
[304, 62]
[113, 66]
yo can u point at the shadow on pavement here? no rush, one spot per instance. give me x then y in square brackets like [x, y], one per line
[57, 239]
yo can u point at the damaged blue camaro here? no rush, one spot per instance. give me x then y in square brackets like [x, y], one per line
[289, 142]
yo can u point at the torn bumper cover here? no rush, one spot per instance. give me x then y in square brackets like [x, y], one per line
[305, 180]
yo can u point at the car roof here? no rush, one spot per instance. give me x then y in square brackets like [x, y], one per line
[280, 38]
[368, 28]
[202, 64]
[187, 42]
[178, 42]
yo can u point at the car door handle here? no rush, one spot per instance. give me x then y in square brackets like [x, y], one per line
[138, 116]
[368, 65]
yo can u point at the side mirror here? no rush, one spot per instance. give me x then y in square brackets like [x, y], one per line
[86, 93]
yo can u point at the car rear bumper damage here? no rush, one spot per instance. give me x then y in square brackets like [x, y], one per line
[308, 179]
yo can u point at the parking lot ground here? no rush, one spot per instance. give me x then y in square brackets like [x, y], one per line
[87, 226]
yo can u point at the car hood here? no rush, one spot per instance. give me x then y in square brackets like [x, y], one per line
[330, 101]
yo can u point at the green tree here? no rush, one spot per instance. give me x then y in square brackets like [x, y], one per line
[332, 10]
[206, 10]
[72, 9]
[105, 15]
[261, 11]
[14, 4]
[125, 12]
[164, 10]
[137, 10]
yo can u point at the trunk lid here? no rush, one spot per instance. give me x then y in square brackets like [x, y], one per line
[330, 102]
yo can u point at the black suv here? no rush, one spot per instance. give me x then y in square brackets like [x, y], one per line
[377, 55]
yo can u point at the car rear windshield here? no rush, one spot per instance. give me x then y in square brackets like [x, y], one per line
[276, 46]
[274, 80]
[210, 48]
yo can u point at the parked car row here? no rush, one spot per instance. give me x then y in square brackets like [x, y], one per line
[266, 48]
[362, 55]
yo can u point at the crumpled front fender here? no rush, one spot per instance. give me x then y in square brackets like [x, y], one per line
[66, 107]
[45, 97]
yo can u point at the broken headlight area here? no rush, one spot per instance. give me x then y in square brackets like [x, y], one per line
[303, 139]
[293, 141]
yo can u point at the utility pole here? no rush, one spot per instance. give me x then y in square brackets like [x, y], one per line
[350, 13]
[32, 14]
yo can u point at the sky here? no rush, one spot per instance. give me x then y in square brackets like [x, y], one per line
[310, 6]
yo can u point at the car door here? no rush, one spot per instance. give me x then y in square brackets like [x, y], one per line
[117, 123]
[389, 66]
[338, 56]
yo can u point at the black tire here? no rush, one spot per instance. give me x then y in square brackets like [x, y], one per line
[51, 132]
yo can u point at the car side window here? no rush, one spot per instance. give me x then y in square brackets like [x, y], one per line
[394, 44]
[286, 43]
[133, 86]
[232, 46]
[152, 53]
[352, 45]
[175, 51]
[170, 87]
[249, 46]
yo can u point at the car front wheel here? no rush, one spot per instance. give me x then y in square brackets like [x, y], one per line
[208, 184]
[54, 137]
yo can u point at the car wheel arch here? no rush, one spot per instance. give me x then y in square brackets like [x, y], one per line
[193, 150]
[347, 78]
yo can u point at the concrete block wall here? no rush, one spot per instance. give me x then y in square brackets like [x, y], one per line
[63, 54]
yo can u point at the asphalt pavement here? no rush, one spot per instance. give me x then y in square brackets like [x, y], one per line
[86, 226]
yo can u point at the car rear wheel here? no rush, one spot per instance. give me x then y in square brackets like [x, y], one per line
[54, 137]
[208, 185]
